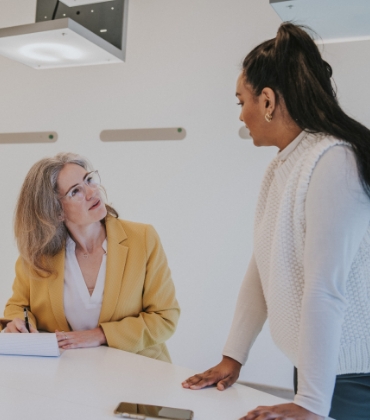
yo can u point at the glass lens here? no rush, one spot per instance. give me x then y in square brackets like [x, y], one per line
[93, 179]
[77, 193]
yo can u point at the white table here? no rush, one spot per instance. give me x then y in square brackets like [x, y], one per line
[87, 384]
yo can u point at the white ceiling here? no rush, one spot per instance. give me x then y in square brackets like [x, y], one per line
[333, 20]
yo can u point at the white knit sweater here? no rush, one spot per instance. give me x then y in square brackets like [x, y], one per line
[311, 268]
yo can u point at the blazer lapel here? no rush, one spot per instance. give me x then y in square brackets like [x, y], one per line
[116, 261]
[56, 288]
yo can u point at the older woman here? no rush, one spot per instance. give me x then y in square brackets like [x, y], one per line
[309, 272]
[82, 272]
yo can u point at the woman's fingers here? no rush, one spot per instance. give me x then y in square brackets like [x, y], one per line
[33, 329]
[225, 383]
[224, 375]
[257, 414]
[78, 339]
[62, 338]
[289, 411]
[16, 326]
[193, 380]
[263, 413]
[201, 380]
[66, 340]
[20, 325]
[212, 379]
[68, 344]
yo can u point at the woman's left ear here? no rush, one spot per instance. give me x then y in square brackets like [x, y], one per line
[269, 100]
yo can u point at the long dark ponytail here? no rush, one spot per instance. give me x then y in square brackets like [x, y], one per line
[292, 66]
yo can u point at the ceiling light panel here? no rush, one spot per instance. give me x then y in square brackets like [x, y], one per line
[332, 20]
[72, 3]
[59, 43]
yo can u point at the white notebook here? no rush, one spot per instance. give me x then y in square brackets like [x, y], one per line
[41, 344]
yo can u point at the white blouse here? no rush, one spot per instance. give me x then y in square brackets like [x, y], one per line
[82, 310]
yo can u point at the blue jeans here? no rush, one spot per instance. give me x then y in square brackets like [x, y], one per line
[351, 397]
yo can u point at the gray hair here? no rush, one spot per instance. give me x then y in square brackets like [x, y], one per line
[39, 230]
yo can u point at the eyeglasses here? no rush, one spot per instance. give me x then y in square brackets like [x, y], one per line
[78, 192]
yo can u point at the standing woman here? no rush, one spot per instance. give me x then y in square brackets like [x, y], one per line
[84, 273]
[310, 269]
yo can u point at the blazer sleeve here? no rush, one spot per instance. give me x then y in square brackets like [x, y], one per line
[160, 310]
[21, 294]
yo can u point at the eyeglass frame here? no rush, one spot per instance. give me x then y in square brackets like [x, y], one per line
[95, 186]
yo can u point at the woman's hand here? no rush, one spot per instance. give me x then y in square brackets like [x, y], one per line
[18, 326]
[224, 375]
[288, 411]
[79, 339]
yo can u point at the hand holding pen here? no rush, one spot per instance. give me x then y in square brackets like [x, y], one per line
[26, 321]
[18, 325]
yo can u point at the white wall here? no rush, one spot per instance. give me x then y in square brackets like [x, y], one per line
[182, 62]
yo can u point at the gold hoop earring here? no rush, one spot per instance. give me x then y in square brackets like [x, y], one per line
[268, 117]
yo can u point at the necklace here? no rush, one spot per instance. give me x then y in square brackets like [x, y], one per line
[84, 254]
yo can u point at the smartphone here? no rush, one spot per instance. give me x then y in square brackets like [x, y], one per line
[143, 411]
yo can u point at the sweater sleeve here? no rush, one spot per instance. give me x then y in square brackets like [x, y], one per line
[249, 317]
[337, 218]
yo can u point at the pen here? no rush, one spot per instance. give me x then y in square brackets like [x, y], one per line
[26, 319]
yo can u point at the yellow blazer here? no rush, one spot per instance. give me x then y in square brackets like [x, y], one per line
[139, 310]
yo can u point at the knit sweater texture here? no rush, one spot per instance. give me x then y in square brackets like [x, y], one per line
[279, 249]
[309, 309]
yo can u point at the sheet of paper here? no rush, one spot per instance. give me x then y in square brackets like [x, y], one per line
[41, 344]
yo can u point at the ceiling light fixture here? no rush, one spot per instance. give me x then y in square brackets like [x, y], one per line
[72, 3]
[67, 34]
[332, 20]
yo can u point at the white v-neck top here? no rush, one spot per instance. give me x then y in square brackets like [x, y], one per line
[82, 310]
